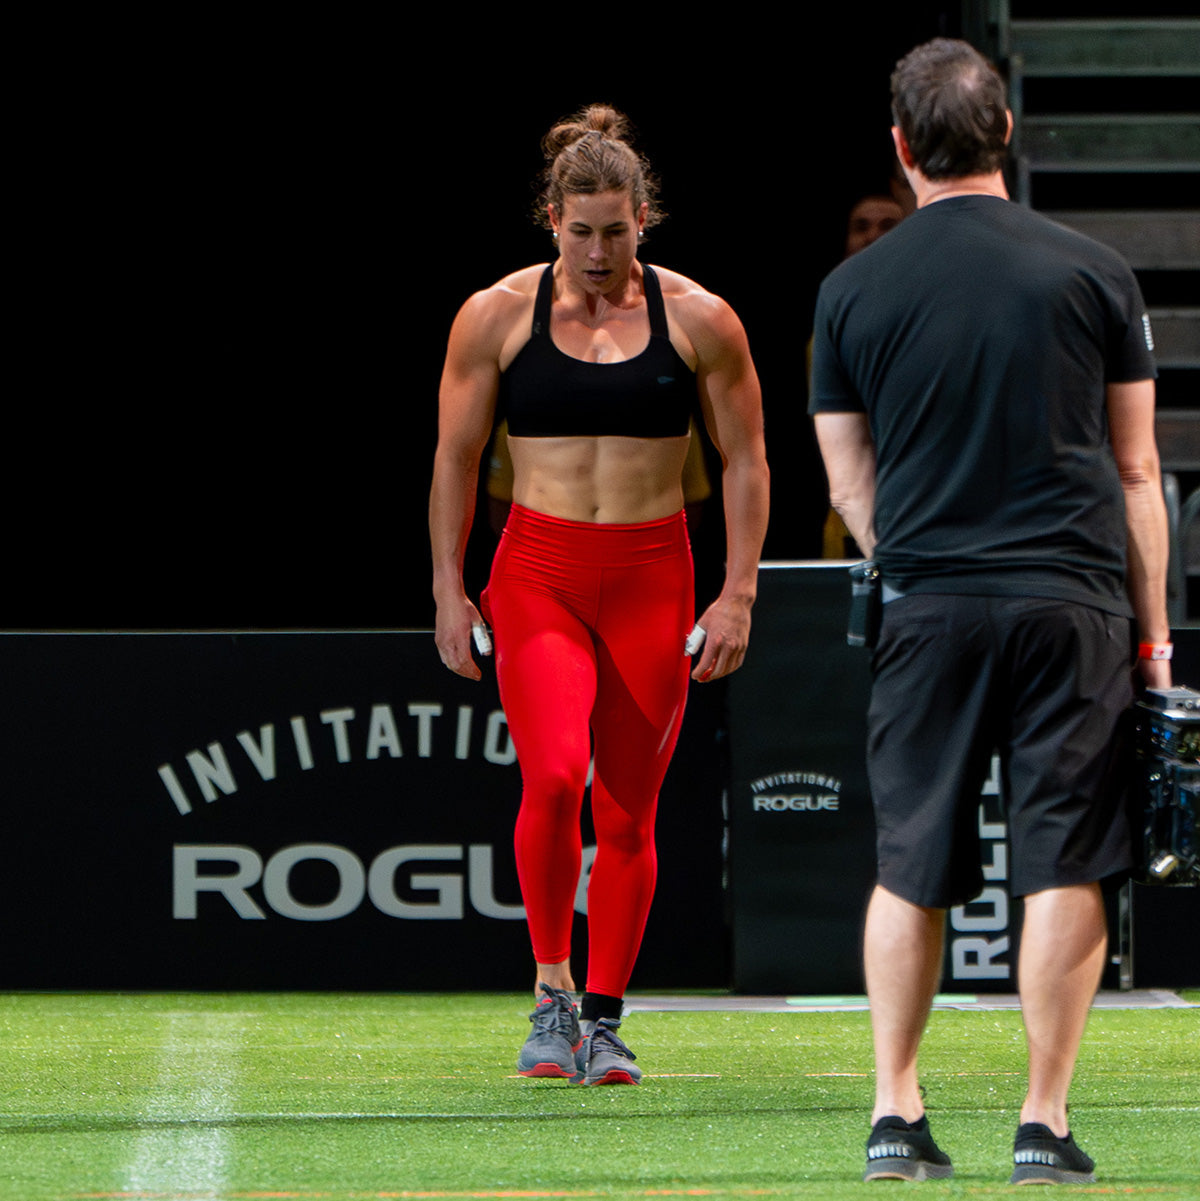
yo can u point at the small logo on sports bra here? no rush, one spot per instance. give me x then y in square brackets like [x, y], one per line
[666, 379]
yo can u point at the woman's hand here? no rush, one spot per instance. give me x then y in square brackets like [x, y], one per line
[726, 625]
[453, 634]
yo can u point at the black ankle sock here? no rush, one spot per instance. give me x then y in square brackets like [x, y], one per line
[595, 1005]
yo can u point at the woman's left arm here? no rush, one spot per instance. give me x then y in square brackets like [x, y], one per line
[731, 401]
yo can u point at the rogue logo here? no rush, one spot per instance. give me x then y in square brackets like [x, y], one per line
[979, 931]
[798, 803]
[819, 795]
[206, 868]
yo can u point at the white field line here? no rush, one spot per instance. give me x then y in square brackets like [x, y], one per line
[527, 1116]
[196, 1077]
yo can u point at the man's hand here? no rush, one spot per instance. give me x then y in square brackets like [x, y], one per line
[1155, 673]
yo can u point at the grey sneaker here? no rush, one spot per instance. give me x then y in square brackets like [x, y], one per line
[550, 1048]
[604, 1058]
[1041, 1157]
[900, 1150]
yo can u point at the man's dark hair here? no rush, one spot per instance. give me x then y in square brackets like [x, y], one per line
[950, 104]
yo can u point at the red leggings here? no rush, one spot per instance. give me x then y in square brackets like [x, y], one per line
[589, 624]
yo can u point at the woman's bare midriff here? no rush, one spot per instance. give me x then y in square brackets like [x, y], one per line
[602, 479]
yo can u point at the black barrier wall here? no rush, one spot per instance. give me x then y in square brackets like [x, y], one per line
[802, 860]
[802, 849]
[295, 811]
[335, 810]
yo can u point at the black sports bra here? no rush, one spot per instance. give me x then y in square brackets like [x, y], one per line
[545, 393]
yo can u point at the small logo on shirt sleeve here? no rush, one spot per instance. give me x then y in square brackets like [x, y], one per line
[1146, 331]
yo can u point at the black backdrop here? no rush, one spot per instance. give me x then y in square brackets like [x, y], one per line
[204, 811]
[256, 234]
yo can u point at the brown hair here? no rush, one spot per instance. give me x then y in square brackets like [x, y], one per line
[950, 104]
[591, 152]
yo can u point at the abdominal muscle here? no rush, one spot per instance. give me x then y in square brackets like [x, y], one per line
[603, 479]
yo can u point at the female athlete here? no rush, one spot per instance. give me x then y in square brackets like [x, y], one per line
[597, 362]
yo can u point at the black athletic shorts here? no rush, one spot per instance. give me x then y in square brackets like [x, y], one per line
[1044, 684]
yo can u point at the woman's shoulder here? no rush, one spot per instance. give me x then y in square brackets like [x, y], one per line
[699, 312]
[511, 292]
[523, 282]
[491, 314]
[674, 285]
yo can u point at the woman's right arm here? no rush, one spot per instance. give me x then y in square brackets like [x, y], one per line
[466, 409]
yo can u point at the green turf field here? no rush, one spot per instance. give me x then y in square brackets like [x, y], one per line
[340, 1097]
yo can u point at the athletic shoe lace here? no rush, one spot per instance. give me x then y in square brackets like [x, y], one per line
[605, 1039]
[554, 1017]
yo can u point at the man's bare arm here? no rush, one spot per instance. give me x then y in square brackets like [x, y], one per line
[849, 455]
[1131, 429]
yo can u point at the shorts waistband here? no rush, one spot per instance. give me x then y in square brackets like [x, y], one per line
[598, 543]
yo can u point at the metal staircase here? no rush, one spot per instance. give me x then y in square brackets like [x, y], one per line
[1106, 140]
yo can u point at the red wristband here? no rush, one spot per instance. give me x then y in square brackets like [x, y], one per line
[1155, 650]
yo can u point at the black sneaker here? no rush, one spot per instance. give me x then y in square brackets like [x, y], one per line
[1041, 1157]
[604, 1058]
[900, 1150]
[550, 1048]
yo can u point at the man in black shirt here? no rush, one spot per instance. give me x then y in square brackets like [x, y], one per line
[983, 392]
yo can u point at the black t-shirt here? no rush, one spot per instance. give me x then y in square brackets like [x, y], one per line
[978, 338]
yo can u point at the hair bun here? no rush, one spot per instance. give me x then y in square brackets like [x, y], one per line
[594, 118]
